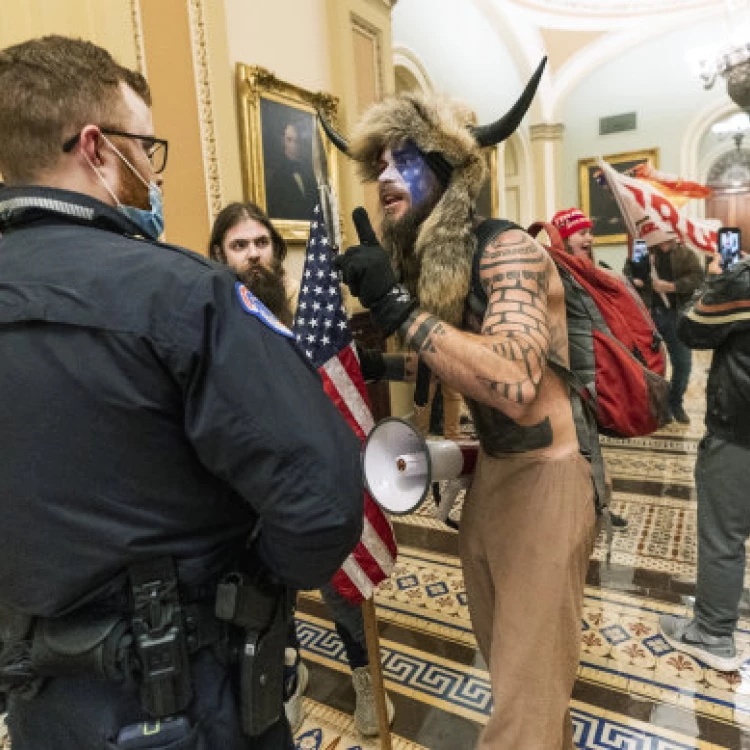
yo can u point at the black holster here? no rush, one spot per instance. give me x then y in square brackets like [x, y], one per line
[160, 640]
[82, 645]
[75, 645]
[263, 611]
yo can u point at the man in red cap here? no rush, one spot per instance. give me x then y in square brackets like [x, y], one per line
[576, 230]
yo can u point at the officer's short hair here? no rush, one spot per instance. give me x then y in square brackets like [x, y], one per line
[232, 215]
[50, 88]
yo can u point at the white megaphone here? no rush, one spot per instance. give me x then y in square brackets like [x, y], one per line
[400, 465]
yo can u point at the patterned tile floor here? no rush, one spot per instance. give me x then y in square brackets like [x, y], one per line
[633, 691]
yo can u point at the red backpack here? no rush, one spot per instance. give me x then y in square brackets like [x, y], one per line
[616, 356]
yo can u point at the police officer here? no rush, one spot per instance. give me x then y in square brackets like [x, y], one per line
[170, 462]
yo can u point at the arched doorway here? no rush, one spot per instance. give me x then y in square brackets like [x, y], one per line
[729, 178]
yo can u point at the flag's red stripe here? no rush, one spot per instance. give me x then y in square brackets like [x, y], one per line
[351, 365]
[333, 393]
[345, 586]
[368, 564]
[381, 524]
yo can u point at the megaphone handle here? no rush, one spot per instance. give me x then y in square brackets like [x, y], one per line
[422, 388]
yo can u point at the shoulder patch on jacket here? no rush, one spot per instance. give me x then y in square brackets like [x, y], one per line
[252, 305]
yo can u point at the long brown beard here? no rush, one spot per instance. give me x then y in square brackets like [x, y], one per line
[399, 238]
[267, 284]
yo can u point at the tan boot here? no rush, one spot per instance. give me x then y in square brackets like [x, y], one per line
[365, 712]
[452, 403]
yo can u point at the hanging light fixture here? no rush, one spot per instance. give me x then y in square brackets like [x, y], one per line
[732, 61]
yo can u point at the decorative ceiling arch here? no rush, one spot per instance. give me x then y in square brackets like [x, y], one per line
[525, 45]
[403, 57]
[607, 14]
[698, 127]
[523, 26]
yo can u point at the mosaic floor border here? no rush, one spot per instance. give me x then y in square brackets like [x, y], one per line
[622, 648]
[464, 691]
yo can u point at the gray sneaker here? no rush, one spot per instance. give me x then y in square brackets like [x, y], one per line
[718, 652]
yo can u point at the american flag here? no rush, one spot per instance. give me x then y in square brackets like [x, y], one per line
[322, 331]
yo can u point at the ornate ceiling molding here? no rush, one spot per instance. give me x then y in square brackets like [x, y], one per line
[611, 15]
[199, 44]
[613, 7]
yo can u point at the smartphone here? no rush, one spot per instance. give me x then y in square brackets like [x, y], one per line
[640, 251]
[730, 244]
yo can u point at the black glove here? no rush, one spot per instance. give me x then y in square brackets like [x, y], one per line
[366, 270]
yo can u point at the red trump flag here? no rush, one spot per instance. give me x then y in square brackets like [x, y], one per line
[650, 216]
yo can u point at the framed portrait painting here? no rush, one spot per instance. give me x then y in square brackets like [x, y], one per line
[277, 124]
[596, 199]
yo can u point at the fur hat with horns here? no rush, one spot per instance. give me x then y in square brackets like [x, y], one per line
[440, 271]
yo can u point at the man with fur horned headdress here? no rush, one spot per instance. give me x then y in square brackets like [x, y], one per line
[528, 520]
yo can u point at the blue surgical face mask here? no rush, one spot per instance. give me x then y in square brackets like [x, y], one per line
[150, 222]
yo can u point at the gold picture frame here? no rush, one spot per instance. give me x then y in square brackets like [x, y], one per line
[599, 204]
[274, 116]
[488, 200]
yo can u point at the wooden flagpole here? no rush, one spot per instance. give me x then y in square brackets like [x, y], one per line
[376, 670]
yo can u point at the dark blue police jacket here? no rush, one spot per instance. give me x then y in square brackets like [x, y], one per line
[147, 411]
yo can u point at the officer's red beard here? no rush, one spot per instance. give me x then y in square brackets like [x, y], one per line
[399, 236]
[132, 191]
[267, 284]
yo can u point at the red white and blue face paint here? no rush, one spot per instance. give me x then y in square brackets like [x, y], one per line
[406, 179]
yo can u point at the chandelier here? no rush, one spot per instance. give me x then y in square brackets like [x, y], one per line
[731, 60]
[733, 64]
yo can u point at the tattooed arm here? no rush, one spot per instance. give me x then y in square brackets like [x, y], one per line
[503, 366]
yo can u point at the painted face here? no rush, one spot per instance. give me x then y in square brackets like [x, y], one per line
[248, 244]
[405, 180]
[581, 242]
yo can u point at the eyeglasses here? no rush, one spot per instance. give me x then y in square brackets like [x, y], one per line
[156, 148]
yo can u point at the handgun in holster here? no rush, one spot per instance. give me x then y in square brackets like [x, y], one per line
[263, 612]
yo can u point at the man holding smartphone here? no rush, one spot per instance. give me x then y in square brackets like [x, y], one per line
[674, 273]
[719, 319]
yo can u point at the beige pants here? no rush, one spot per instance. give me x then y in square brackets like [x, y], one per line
[527, 532]
[452, 401]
